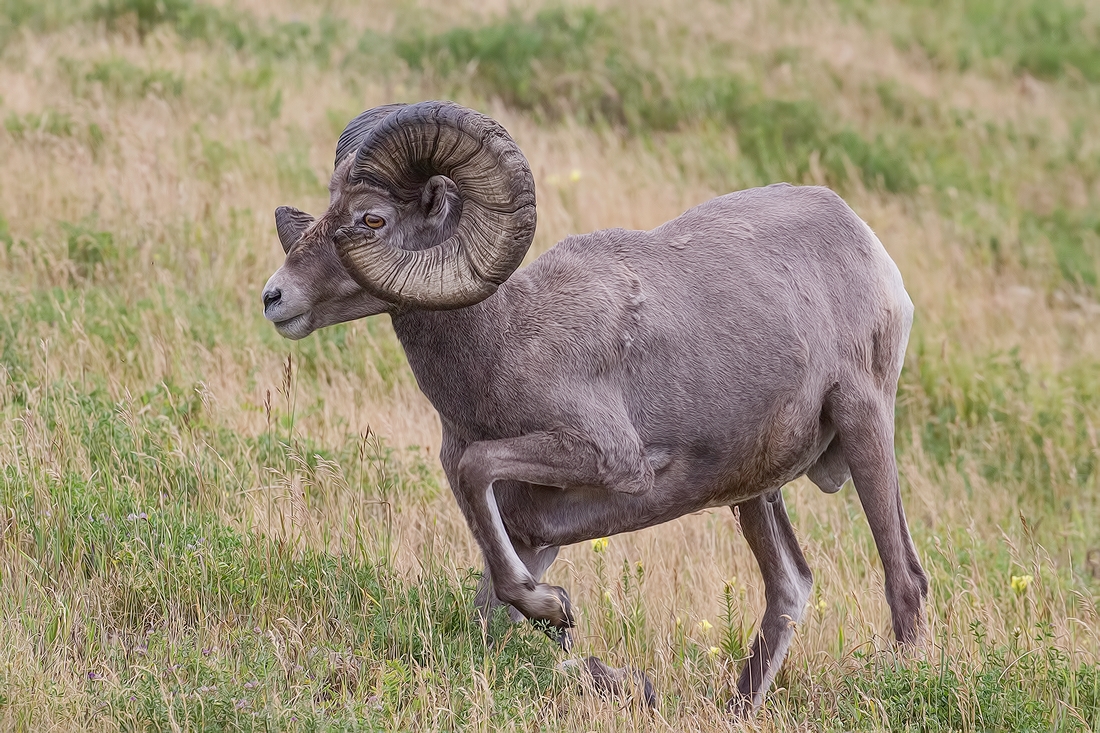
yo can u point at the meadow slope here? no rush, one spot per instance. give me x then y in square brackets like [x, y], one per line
[206, 527]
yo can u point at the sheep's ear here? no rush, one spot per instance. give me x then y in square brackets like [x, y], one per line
[291, 224]
[439, 196]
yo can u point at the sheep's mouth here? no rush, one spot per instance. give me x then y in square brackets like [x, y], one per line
[295, 327]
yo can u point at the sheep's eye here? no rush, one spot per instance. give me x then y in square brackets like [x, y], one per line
[374, 222]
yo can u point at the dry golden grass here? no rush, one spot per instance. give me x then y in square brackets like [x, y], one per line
[185, 185]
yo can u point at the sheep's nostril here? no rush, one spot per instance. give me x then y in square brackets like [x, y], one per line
[271, 297]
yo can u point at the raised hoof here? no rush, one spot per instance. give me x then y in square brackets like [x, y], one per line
[621, 683]
[561, 637]
[551, 606]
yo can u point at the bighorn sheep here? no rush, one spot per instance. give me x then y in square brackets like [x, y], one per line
[624, 378]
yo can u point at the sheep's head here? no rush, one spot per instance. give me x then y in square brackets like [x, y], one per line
[431, 206]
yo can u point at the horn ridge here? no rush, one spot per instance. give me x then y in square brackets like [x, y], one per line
[497, 219]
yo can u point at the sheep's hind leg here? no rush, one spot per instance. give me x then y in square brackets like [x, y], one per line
[866, 423]
[787, 584]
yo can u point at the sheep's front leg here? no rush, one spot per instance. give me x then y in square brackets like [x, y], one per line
[536, 560]
[563, 460]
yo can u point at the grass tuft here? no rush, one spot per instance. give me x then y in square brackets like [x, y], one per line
[204, 526]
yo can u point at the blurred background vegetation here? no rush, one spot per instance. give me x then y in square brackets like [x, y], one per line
[203, 526]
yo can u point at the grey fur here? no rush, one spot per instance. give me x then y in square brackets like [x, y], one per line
[626, 378]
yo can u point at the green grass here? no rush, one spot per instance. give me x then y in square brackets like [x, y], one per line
[203, 526]
[56, 124]
[88, 249]
[960, 405]
[1074, 237]
[577, 62]
[136, 538]
[586, 64]
[132, 575]
[122, 79]
[1003, 690]
[1046, 38]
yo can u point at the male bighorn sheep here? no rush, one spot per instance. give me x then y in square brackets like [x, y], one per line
[624, 378]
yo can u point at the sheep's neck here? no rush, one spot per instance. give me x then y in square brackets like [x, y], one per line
[453, 353]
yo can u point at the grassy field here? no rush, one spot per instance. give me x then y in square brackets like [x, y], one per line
[206, 527]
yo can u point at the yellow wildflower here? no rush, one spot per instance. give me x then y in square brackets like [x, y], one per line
[600, 544]
[705, 626]
[713, 652]
[1020, 583]
[575, 175]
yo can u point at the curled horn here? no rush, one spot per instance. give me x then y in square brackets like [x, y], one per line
[496, 224]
